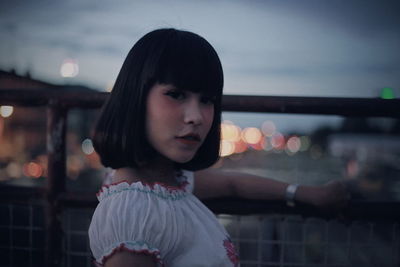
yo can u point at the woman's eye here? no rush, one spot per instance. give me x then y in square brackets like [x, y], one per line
[176, 94]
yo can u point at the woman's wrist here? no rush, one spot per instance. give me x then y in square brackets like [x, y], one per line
[290, 194]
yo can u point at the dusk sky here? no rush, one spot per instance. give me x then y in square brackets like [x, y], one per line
[304, 48]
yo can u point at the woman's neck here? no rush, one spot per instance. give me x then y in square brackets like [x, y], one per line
[161, 171]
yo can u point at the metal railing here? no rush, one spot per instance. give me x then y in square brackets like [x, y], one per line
[59, 102]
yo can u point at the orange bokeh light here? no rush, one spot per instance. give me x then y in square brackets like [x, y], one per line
[260, 145]
[230, 132]
[227, 148]
[32, 169]
[251, 135]
[240, 146]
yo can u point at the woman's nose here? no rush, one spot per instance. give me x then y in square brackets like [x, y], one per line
[193, 114]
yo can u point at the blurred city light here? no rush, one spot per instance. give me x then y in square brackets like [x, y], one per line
[227, 148]
[32, 169]
[293, 144]
[87, 146]
[251, 135]
[268, 128]
[235, 141]
[6, 111]
[69, 68]
[259, 145]
[267, 146]
[14, 170]
[305, 143]
[278, 141]
[240, 146]
[230, 132]
[387, 93]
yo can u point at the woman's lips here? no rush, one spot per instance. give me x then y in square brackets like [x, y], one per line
[189, 139]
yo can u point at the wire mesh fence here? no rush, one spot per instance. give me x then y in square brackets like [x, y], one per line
[76, 244]
[277, 240]
[261, 240]
[22, 235]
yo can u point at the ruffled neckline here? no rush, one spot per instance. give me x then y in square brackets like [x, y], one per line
[159, 189]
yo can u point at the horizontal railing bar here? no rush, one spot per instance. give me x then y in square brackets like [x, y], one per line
[73, 98]
[370, 107]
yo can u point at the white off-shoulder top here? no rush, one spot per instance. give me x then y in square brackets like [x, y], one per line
[168, 223]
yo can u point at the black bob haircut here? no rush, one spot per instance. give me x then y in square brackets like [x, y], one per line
[167, 56]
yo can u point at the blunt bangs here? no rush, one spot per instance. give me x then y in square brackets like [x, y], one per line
[190, 63]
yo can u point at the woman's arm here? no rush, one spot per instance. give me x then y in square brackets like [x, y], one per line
[129, 259]
[211, 183]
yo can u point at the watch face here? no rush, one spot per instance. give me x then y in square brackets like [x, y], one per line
[290, 193]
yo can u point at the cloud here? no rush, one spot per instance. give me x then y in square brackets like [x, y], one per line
[287, 41]
[360, 17]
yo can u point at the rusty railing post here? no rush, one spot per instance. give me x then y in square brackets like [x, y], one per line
[56, 152]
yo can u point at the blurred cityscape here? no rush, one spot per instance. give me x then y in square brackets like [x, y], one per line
[363, 151]
[366, 151]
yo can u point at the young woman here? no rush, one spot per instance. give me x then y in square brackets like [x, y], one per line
[160, 131]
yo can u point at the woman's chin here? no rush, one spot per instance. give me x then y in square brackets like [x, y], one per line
[183, 159]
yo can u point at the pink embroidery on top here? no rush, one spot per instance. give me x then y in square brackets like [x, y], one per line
[231, 252]
[183, 183]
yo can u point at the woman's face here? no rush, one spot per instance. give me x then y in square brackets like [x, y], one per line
[177, 121]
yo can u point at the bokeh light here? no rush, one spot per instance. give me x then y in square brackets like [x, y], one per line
[278, 141]
[268, 128]
[87, 146]
[227, 148]
[32, 169]
[259, 145]
[230, 132]
[251, 135]
[305, 143]
[267, 146]
[387, 93]
[240, 146]
[14, 170]
[6, 111]
[69, 68]
[293, 144]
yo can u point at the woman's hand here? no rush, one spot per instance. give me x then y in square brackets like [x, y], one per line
[333, 195]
